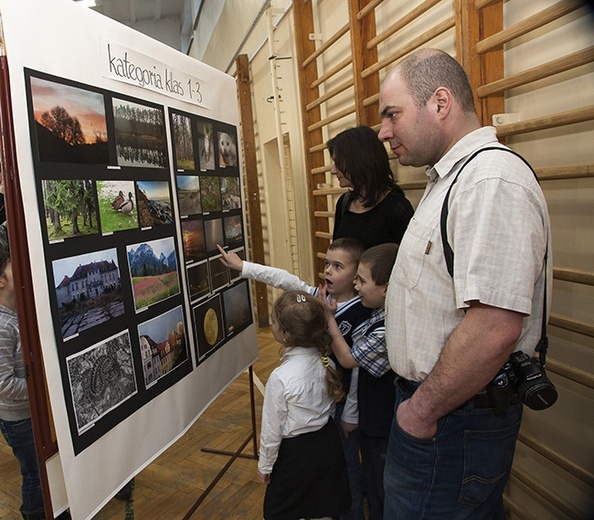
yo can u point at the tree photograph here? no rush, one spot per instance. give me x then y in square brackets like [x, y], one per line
[69, 122]
[70, 208]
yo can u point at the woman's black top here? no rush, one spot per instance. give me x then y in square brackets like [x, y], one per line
[382, 224]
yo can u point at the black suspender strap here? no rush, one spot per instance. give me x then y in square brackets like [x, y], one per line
[448, 253]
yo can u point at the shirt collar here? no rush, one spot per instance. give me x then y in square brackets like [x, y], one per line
[463, 148]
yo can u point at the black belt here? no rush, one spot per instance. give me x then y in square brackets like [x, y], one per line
[480, 400]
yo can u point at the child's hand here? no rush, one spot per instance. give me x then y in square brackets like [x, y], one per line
[264, 478]
[230, 260]
[347, 428]
[330, 305]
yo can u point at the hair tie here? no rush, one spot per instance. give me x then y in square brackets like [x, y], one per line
[326, 361]
[300, 298]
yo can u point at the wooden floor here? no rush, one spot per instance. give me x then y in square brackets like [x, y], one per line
[169, 487]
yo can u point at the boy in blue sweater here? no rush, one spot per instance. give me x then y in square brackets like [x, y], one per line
[375, 393]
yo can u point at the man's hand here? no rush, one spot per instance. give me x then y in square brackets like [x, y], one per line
[230, 260]
[412, 424]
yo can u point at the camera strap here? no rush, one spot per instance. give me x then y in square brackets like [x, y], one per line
[543, 343]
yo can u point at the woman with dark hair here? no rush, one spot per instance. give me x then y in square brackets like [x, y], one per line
[375, 210]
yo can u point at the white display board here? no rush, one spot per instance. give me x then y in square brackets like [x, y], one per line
[128, 160]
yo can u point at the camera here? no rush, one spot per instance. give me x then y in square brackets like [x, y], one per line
[527, 378]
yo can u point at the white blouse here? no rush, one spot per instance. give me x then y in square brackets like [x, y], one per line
[296, 401]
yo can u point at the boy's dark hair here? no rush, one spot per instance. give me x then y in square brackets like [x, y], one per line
[352, 246]
[4, 247]
[380, 260]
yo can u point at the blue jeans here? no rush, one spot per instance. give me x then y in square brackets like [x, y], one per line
[19, 436]
[354, 469]
[458, 474]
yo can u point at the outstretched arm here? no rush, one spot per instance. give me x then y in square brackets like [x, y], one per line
[230, 260]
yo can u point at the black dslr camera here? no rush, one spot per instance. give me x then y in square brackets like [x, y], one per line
[527, 378]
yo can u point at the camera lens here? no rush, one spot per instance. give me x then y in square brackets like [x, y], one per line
[537, 395]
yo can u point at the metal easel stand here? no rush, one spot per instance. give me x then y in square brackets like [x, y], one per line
[233, 454]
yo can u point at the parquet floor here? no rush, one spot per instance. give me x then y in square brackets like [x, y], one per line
[168, 488]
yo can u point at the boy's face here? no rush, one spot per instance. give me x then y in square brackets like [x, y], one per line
[372, 296]
[339, 273]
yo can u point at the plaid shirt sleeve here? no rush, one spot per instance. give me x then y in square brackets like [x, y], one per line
[371, 353]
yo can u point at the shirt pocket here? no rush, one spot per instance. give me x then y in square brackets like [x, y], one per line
[414, 249]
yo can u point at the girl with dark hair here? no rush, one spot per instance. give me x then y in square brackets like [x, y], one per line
[301, 458]
[375, 210]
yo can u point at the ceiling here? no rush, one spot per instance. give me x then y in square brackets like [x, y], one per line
[130, 12]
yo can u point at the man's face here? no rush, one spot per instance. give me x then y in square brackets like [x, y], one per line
[411, 131]
[339, 273]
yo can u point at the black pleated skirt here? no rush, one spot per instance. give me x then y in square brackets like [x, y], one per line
[309, 478]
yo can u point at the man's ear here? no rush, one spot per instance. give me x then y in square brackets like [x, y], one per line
[443, 99]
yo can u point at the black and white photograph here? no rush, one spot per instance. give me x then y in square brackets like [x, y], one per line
[153, 271]
[88, 290]
[163, 345]
[69, 123]
[238, 312]
[101, 378]
[208, 323]
[139, 135]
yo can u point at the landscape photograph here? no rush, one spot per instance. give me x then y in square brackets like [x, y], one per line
[154, 203]
[153, 271]
[193, 240]
[188, 195]
[139, 135]
[208, 320]
[163, 345]
[183, 142]
[70, 123]
[198, 281]
[236, 303]
[230, 193]
[233, 231]
[101, 378]
[210, 192]
[213, 230]
[117, 206]
[88, 290]
[206, 151]
[70, 209]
